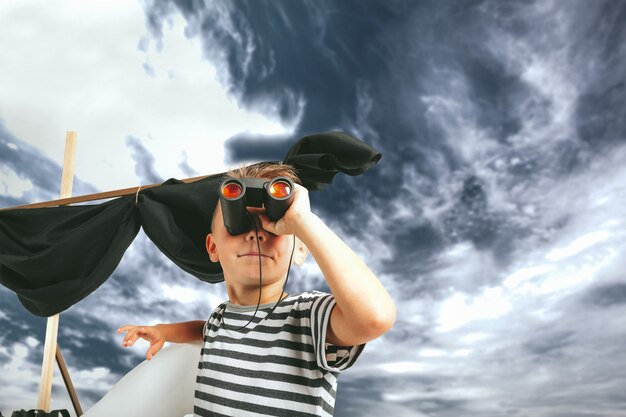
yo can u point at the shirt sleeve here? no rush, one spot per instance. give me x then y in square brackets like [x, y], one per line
[329, 357]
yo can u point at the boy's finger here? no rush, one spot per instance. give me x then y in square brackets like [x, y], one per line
[125, 340]
[267, 223]
[144, 332]
[130, 337]
[149, 354]
[127, 327]
[154, 348]
[137, 333]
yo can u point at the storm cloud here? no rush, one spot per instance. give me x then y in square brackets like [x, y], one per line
[494, 217]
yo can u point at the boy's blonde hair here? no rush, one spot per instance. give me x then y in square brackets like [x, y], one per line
[265, 170]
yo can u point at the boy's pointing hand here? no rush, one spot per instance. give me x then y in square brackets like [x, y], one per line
[149, 333]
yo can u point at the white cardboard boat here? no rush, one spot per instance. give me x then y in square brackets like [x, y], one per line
[161, 387]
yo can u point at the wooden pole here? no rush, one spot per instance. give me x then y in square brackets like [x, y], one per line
[68, 382]
[52, 328]
[97, 196]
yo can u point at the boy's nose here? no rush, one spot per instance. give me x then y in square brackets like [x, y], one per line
[251, 233]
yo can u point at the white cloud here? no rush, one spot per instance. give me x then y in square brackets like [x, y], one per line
[19, 379]
[457, 310]
[177, 292]
[75, 65]
[99, 378]
[474, 337]
[432, 353]
[32, 342]
[402, 367]
[525, 274]
[580, 244]
[11, 184]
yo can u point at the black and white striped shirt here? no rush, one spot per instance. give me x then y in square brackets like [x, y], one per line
[281, 366]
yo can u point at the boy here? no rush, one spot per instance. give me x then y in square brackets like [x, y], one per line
[270, 353]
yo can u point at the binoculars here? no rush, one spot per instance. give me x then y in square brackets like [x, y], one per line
[237, 193]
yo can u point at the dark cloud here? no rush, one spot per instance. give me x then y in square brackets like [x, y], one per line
[549, 343]
[19, 323]
[244, 146]
[405, 331]
[80, 338]
[365, 68]
[80, 352]
[413, 242]
[28, 163]
[607, 295]
[597, 123]
[143, 44]
[494, 91]
[324, 53]
[369, 396]
[8, 201]
[144, 161]
[469, 218]
[186, 168]
[266, 60]
[600, 33]
[149, 69]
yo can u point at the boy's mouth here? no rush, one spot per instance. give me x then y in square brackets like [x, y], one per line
[253, 254]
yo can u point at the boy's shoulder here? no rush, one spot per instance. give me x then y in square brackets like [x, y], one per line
[308, 296]
[312, 301]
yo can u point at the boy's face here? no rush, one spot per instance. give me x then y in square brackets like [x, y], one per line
[233, 252]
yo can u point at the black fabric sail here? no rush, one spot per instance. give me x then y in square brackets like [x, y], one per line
[54, 257]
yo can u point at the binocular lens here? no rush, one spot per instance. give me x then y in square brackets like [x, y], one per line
[280, 189]
[232, 190]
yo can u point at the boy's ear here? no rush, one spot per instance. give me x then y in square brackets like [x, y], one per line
[301, 253]
[211, 248]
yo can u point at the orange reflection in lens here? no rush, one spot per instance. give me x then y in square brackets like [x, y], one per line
[232, 190]
[280, 189]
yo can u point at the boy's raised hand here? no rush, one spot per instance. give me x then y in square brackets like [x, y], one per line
[149, 333]
[286, 225]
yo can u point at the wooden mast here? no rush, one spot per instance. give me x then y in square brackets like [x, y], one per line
[50, 348]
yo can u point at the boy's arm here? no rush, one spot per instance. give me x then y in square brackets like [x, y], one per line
[188, 331]
[364, 309]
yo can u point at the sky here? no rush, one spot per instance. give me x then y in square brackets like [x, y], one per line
[494, 218]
